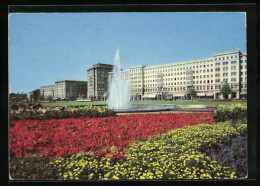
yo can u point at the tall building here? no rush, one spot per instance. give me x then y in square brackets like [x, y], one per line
[205, 75]
[98, 81]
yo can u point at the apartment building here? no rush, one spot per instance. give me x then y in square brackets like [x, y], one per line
[205, 75]
[66, 89]
[98, 81]
[47, 91]
[70, 89]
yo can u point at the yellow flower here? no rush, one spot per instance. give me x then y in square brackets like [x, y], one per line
[116, 178]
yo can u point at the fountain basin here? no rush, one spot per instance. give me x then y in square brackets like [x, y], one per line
[146, 108]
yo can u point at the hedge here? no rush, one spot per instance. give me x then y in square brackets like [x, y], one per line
[46, 114]
[233, 112]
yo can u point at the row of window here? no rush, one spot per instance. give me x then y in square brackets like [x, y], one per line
[226, 57]
[232, 86]
[204, 71]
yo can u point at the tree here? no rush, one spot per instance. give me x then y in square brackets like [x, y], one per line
[36, 95]
[192, 93]
[225, 90]
[49, 97]
[41, 97]
[23, 97]
[83, 96]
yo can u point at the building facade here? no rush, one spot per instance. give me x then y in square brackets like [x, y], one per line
[47, 91]
[205, 75]
[98, 81]
[65, 89]
[68, 89]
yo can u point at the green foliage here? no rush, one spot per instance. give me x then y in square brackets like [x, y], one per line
[49, 97]
[179, 154]
[36, 95]
[46, 114]
[225, 89]
[233, 112]
[192, 93]
[41, 97]
[31, 168]
[83, 96]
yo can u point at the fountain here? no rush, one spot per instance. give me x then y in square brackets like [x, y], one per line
[119, 91]
[119, 94]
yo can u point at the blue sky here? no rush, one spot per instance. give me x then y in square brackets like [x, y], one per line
[48, 47]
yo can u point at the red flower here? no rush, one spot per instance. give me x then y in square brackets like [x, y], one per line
[110, 135]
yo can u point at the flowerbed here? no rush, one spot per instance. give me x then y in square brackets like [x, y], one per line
[101, 136]
[178, 154]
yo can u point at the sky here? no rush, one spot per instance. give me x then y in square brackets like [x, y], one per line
[49, 47]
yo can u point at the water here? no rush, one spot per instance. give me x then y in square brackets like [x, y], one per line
[146, 108]
[119, 90]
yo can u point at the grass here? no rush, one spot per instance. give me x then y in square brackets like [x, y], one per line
[186, 103]
[182, 103]
[72, 103]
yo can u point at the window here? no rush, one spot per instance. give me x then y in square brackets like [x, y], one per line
[225, 68]
[233, 62]
[225, 74]
[225, 80]
[233, 67]
[225, 63]
[217, 75]
[217, 69]
[217, 87]
[217, 80]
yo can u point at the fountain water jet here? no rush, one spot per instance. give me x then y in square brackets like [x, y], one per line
[119, 90]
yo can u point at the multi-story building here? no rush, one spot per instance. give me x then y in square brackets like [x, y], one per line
[98, 81]
[47, 91]
[205, 75]
[70, 89]
[66, 89]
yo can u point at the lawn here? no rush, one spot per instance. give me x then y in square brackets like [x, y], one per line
[72, 103]
[182, 103]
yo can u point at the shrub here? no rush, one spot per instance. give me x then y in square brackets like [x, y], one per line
[87, 111]
[233, 112]
[14, 107]
[31, 168]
